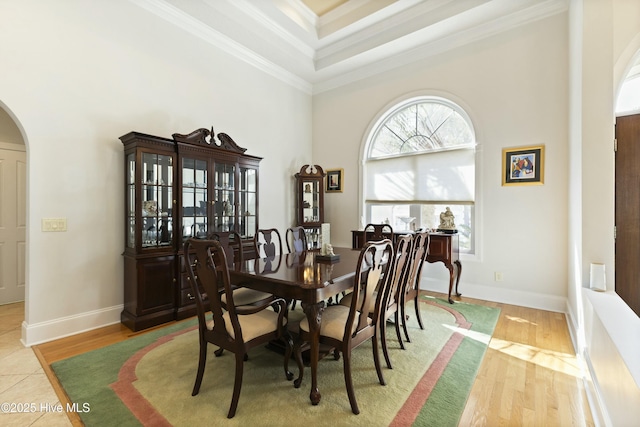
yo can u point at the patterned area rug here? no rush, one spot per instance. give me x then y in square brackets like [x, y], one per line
[148, 380]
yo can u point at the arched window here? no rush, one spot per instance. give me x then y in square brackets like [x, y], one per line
[419, 160]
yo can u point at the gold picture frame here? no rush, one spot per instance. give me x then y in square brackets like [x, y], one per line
[335, 182]
[523, 165]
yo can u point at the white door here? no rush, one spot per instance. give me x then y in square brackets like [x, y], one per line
[13, 195]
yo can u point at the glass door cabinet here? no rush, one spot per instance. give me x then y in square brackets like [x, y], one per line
[310, 202]
[175, 189]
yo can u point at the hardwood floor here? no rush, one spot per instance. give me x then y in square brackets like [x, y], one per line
[529, 376]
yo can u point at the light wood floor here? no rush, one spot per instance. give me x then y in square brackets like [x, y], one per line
[529, 375]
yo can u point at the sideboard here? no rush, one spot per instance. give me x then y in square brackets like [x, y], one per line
[443, 247]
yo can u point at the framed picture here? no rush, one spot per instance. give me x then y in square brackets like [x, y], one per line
[523, 165]
[334, 180]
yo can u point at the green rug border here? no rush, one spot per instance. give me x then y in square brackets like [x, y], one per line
[457, 379]
[106, 409]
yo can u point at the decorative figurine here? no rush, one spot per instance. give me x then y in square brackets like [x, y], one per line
[328, 250]
[447, 222]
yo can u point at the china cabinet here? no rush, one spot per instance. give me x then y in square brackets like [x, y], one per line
[310, 202]
[188, 186]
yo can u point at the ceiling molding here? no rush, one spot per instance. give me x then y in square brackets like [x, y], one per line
[359, 39]
[420, 52]
[203, 31]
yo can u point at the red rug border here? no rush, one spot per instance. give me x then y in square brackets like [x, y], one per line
[147, 414]
[420, 394]
[139, 406]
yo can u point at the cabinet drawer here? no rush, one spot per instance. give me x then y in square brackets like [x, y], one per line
[186, 297]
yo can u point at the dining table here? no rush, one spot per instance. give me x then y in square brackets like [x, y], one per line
[303, 276]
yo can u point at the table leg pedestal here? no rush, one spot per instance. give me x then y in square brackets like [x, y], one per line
[454, 273]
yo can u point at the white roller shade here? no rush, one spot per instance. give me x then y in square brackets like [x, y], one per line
[431, 177]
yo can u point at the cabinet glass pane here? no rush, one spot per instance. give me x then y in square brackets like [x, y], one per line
[157, 200]
[131, 169]
[201, 174]
[248, 179]
[194, 198]
[130, 209]
[224, 209]
[311, 201]
[248, 202]
[225, 176]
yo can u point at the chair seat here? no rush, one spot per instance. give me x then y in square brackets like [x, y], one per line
[252, 325]
[333, 322]
[246, 296]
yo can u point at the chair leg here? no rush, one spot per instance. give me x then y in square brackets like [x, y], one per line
[376, 361]
[218, 352]
[201, 364]
[287, 355]
[237, 385]
[404, 322]
[397, 322]
[346, 358]
[382, 330]
[297, 351]
[417, 306]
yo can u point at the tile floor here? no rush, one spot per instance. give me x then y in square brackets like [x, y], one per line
[23, 384]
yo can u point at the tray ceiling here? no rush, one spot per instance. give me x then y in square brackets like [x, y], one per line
[317, 45]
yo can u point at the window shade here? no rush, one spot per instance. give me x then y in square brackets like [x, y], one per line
[431, 177]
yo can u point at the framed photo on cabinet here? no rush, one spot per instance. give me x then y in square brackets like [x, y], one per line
[334, 180]
[523, 165]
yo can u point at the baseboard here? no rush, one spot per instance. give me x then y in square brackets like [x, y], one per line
[38, 333]
[501, 295]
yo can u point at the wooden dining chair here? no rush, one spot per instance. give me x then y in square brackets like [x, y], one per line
[237, 329]
[231, 243]
[411, 287]
[393, 294]
[376, 232]
[392, 299]
[296, 239]
[344, 328]
[267, 242]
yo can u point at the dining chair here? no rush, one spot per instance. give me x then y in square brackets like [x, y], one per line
[377, 232]
[344, 328]
[296, 239]
[411, 289]
[267, 242]
[237, 329]
[392, 296]
[231, 243]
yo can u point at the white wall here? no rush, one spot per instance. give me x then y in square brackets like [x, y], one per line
[77, 75]
[514, 87]
[605, 35]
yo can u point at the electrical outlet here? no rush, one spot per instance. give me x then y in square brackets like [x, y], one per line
[497, 276]
[54, 224]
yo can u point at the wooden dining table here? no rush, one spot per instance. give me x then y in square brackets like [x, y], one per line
[302, 277]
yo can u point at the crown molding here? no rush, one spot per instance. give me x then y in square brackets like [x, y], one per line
[203, 31]
[280, 37]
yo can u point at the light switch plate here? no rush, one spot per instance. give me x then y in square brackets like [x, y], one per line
[54, 224]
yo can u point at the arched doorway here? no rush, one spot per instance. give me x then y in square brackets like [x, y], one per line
[627, 191]
[13, 203]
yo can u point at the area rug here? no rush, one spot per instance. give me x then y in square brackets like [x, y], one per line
[148, 380]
